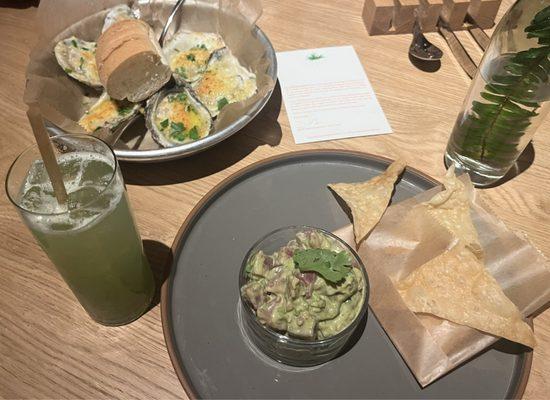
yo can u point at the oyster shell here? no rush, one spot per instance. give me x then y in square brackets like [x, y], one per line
[107, 113]
[77, 58]
[188, 54]
[225, 81]
[118, 13]
[175, 117]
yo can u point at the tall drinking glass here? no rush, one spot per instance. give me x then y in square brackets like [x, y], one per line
[92, 240]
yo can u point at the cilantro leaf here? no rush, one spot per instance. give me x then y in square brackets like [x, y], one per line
[190, 57]
[332, 266]
[74, 43]
[193, 133]
[68, 70]
[222, 103]
[81, 63]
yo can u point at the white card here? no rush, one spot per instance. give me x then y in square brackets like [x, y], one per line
[328, 96]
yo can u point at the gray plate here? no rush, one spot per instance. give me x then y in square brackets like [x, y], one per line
[200, 298]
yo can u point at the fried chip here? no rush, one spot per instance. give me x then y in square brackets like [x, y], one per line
[457, 287]
[451, 208]
[368, 200]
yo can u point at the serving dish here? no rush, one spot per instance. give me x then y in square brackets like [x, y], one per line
[132, 146]
[203, 328]
[281, 346]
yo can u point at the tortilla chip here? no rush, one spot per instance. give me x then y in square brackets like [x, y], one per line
[451, 208]
[368, 200]
[457, 287]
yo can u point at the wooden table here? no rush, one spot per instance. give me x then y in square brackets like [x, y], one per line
[48, 345]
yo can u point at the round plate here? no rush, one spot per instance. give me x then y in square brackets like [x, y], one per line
[200, 317]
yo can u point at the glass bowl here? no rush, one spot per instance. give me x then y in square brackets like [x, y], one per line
[281, 347]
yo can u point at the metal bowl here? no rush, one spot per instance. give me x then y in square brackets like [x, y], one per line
[170, 153]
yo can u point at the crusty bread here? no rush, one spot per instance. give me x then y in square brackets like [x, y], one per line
[129, 61]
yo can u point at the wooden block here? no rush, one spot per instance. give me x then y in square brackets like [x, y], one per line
[377, 16]
[454, 12]
[403, 15]
[483, 12]
[429, 14]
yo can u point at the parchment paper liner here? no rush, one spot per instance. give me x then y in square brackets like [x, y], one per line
[403, 241]
[63, 100]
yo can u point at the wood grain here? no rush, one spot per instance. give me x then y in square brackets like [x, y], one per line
[49, 348]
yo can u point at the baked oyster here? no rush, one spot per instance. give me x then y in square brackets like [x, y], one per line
[188, 54]
[176, 117]
[225, 81]
[107, 113]
[77, 58]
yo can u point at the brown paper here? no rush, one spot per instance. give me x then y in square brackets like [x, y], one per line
[62, 100]
[406, 238]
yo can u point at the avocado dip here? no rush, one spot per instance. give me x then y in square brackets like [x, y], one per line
[309, 289]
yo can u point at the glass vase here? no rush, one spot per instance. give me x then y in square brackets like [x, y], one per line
[508, 98]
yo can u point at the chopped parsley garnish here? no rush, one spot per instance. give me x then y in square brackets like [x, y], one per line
[222, 103]
[201, 46]
[81, 63]
[85, 48]
[177, 129]
[331, 265]
[164, 124]
[180, 97]
[68, 70]
[190, 57]
[122, 111]
[194, 133]
[181, 72]
[74, 43]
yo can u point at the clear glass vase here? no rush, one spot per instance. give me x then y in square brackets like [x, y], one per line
[508, 98]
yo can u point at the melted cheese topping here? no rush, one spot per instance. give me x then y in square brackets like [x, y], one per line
[106, 113]
[225, 79]
[176, 109]
[191, 63]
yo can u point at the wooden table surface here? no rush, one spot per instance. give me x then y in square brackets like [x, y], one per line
[49, 348]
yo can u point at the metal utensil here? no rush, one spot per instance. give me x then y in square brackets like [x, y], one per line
[173, 13]
[119, 131]
[421, 48]
[457, 49]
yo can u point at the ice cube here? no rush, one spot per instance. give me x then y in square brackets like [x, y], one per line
[96, 172]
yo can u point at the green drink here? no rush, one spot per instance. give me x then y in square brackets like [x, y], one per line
[92, 240]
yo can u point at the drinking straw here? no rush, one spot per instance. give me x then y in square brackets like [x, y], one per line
[47, 152]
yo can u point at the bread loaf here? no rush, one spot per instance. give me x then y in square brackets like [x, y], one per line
[129, 61]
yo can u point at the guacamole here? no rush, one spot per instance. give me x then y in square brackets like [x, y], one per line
[308, 289]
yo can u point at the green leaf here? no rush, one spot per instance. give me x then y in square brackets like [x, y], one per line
[492, 129]
[164, 123]
[222, 103]
[81, 63]
[177, 131]
[74, 43]
[314, 56]
[122, 111]
[193, 133]
[68, 70]
[181, 72]
[190, 57]
[332, 266]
